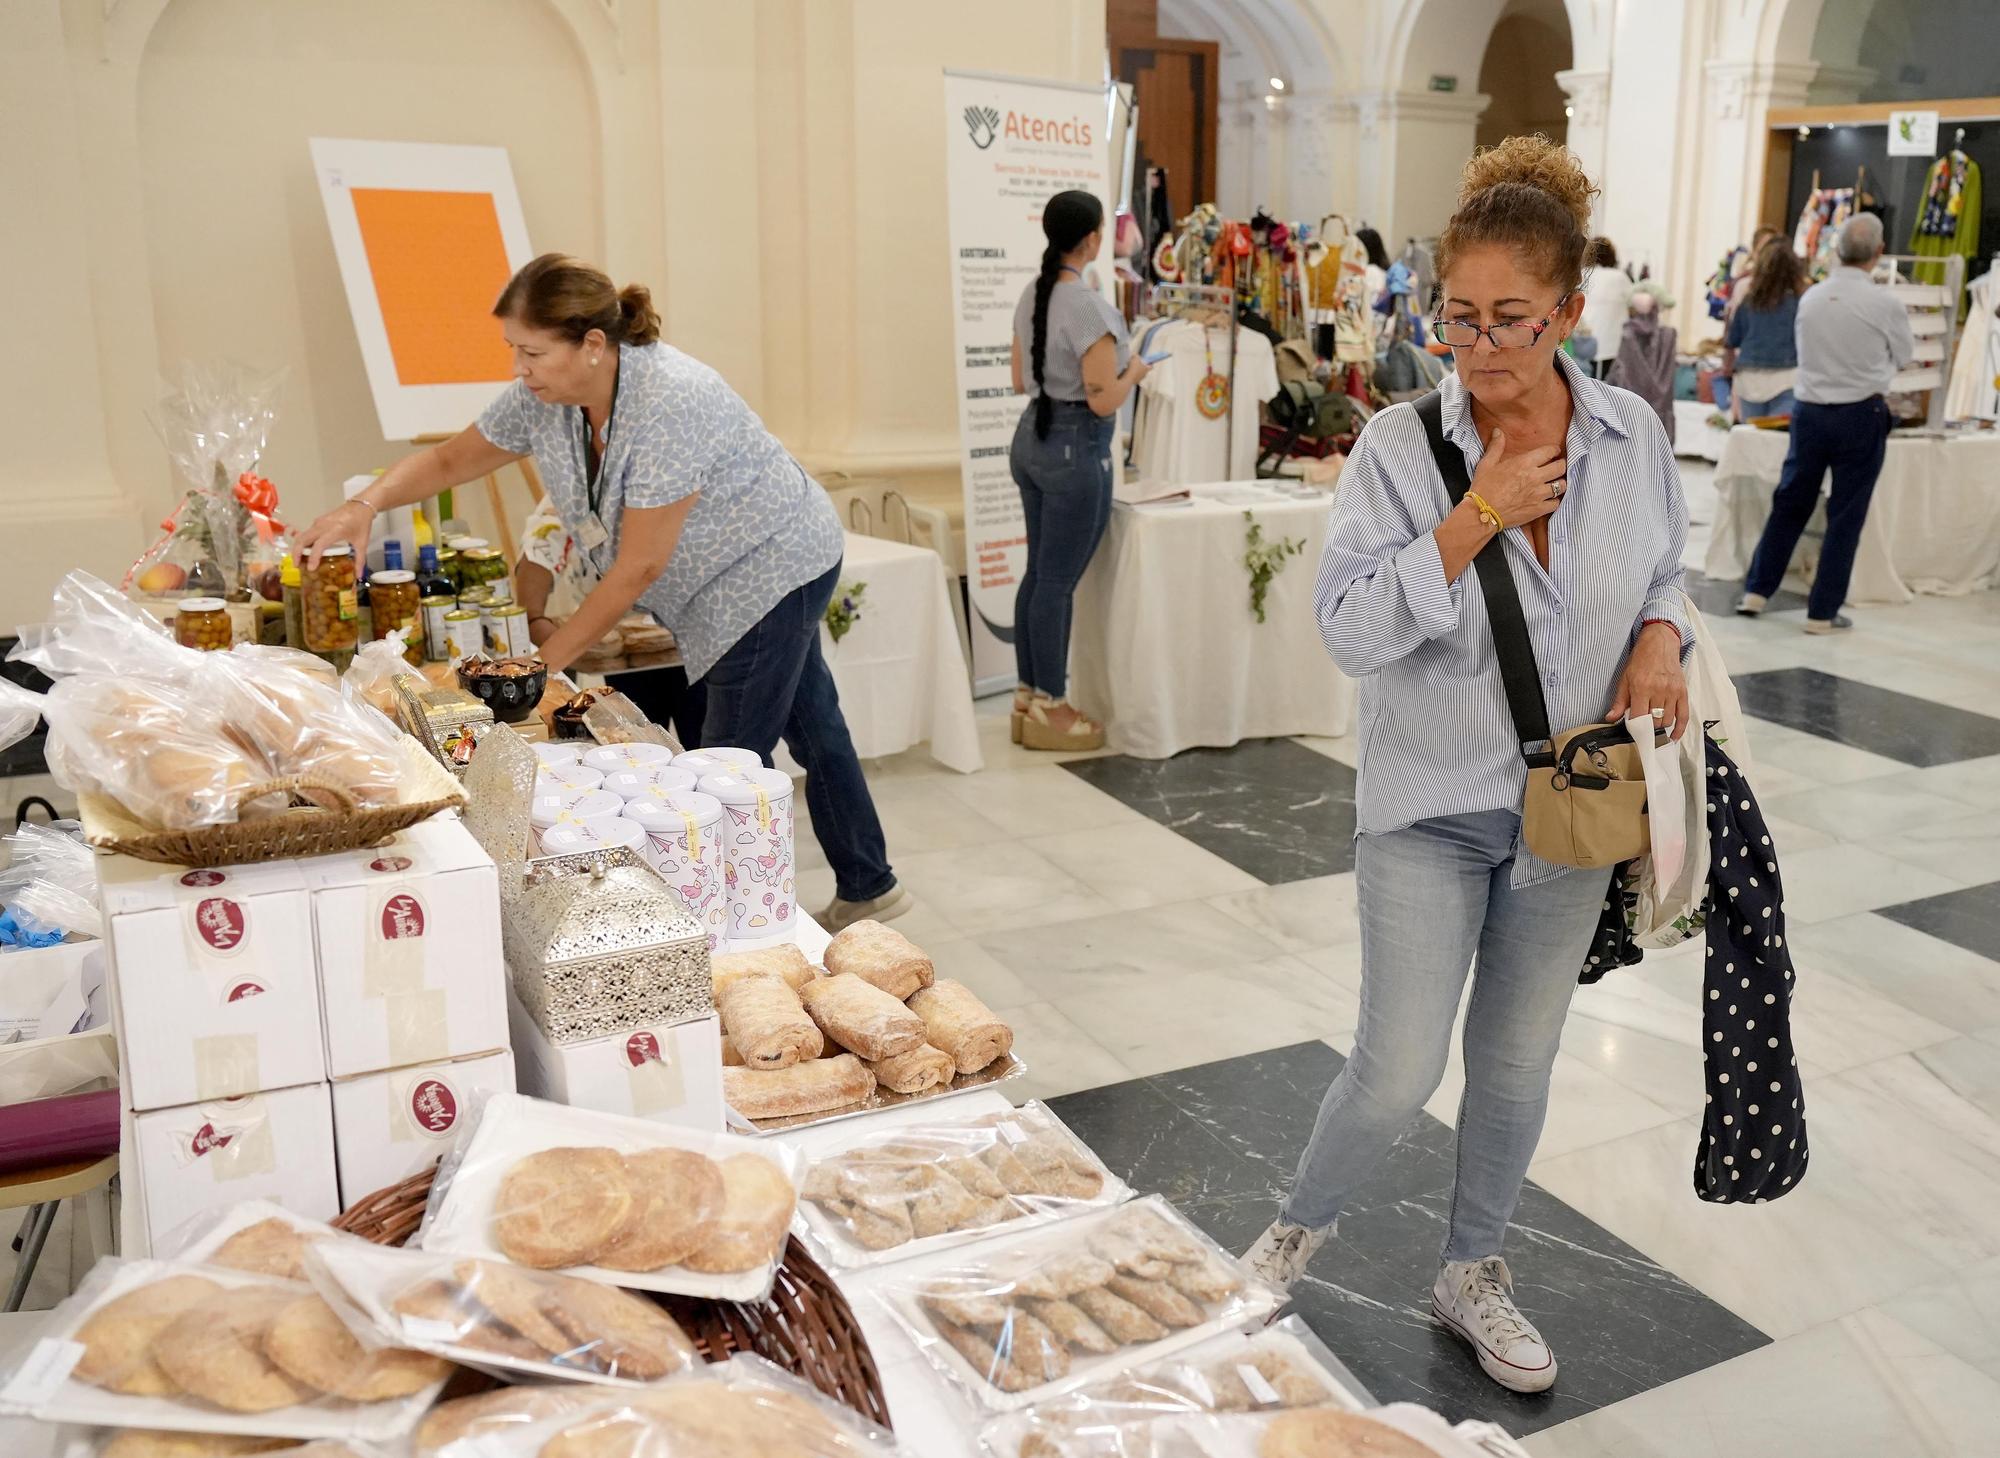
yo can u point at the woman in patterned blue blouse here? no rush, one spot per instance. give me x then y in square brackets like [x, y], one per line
[683, 505]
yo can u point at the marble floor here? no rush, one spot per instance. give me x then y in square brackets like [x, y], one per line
[1144, 949]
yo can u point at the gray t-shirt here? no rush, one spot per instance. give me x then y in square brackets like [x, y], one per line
[1078, 318]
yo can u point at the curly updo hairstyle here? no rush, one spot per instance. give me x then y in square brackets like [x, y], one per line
[569, 298]
[1528, 194]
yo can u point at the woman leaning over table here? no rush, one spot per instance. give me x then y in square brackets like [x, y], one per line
[684, 506]
[1583, 486]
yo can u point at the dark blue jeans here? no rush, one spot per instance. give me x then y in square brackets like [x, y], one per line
[1065, 484]
[774, 683]
[1848, 440]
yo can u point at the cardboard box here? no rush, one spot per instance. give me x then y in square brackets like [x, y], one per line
[181, 1162]
[408, 938]
[213, 987]
[672, 1073]
[389, 1125]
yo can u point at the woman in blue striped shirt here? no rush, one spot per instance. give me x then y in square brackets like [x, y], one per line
[1578, 480]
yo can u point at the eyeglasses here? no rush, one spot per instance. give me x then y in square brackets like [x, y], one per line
[1464, 334]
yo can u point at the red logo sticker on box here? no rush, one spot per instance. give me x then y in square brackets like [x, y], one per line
[206, 1139]
[248, 987]
[433, 1106]
[402, 916]
[203, 878]
[391, 864]
[220, 923]
[642, 1048]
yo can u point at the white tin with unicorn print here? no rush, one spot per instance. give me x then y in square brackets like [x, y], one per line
[684, 844]
[757, 873]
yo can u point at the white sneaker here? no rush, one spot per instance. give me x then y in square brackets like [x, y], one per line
[1283, 1252]
[1752, 605]
[1472, 1298]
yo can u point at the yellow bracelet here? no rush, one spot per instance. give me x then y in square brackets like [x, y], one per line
[1486, 513]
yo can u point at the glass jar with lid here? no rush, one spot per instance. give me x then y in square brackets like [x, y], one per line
[203, 623]
[481, 566]
[392, 594]
[329, 607]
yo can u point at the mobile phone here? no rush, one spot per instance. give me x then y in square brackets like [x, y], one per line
[1158, 355]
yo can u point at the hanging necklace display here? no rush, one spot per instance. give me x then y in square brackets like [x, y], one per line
[1211, 396]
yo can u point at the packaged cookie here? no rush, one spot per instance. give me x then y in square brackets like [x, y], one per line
[166, 1346]
[163, 1443]
[1269, 1369]
[1018, 1321]
[1402, 1431]
[256, 1236]
[959, 1172]
[506, 1319]
[624, 1201]
[742, 1408]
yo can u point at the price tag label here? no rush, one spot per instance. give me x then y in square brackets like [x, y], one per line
[1265, 1394]
[1013, 1133]
[429, 1329]
[46, 1367]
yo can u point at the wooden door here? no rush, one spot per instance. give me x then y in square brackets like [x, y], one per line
[1177, 86]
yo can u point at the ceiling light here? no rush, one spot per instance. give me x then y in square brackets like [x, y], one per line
[1569, 111]
[1805, 131]
[1277, 83]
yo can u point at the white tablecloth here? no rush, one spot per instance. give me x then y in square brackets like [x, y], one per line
[901, 674]
[1933, 526]
[1165, 646]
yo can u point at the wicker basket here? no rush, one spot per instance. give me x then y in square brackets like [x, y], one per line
[325, 819]
[804, 1326]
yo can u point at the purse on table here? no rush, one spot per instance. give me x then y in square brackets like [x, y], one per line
[1585, 802]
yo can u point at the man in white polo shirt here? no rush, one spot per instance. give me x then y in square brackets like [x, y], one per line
[1853, 337]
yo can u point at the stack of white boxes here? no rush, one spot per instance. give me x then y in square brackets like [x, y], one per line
[671, 1072]
[413, 996]
[239, 993]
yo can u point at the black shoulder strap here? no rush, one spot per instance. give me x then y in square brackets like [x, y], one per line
[1496, 583]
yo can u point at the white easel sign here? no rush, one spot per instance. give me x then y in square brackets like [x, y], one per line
[426, 236]
[1913, 133]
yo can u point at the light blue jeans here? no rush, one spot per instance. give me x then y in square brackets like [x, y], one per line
[1431, 898]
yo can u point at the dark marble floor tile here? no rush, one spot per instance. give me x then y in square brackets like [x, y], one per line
[1863, 716]
[1222, 1141]
[1270, 807]
[1969, 919]
[1718, 596]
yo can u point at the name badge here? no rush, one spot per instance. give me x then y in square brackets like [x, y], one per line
[592, 535]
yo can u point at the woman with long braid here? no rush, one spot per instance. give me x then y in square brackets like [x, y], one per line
[1073, 355]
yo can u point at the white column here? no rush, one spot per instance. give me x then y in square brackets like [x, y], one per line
[1413, 146]
[1237, 120]
[1589, 94]
[1317, 185]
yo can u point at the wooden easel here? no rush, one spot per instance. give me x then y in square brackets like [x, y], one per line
[494, 500]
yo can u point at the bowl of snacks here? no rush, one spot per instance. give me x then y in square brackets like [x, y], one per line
[568, 717]
[511, 687]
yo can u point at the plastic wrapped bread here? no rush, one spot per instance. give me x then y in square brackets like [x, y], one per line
[880, 955]
[956, 1021]
[859, 1016]
[786, 962]
[919, 1070]
[812, 1087]
[766, 1022]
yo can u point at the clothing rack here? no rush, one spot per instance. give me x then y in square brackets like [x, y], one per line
[1933, 310]
[1182, 299]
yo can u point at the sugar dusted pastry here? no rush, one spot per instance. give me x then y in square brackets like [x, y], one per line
[941, 1204]
[1064, 1275]
[985, 1360]
[786, 963]
[804, 1088]
[766, 1023]
[1158, 1300]
[920, 1070]
[1068, 1322]
[1031, 1347]
[1118, 1316]
[880, 955]
[963, 1026]
[1208, 1282]
[861, 1017]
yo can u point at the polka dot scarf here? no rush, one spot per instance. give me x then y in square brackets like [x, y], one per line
[1753, 1137]
[1753, 1140]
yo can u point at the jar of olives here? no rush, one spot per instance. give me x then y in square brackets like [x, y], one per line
[203, 622]
[329, 607]
[481, 566]
[392, 593]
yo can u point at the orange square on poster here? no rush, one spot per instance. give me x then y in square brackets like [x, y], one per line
[438, 262]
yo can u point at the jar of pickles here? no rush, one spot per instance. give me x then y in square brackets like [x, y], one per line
[464, 635]
[481, 566]
[203, 622]
[392, 593]
[329, 609]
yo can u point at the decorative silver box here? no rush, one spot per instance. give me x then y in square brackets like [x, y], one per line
[596, 942]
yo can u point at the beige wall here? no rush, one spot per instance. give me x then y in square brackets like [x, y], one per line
[774, 169]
